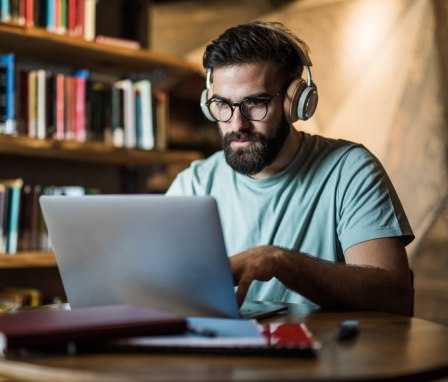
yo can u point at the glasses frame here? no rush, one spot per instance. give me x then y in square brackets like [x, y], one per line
[233, 105]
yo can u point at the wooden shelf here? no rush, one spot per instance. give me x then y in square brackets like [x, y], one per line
[76, 52]
[90, 152]
[28, 260]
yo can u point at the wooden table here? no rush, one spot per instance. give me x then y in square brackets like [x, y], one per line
[388, 347]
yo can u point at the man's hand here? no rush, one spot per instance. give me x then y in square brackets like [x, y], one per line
[375, 276]
[254, 264]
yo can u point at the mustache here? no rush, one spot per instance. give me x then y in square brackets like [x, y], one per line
[242, 136]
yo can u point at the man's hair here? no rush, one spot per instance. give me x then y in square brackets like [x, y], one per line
[254, 42]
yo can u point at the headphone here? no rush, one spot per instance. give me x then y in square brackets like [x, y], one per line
[301, 96]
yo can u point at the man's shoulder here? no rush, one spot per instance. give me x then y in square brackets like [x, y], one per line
[334, 149]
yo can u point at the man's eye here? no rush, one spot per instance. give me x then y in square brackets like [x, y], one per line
[255, 102]
[219, 103]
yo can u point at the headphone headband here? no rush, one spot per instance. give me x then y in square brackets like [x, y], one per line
[297, 45]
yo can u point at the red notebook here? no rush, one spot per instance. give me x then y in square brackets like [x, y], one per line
[52, 327]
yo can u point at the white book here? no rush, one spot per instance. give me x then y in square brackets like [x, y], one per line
[41, 104]
[130, 136]
[89, 19]
[144, 88]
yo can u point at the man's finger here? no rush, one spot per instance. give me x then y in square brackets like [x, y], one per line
[243, 287]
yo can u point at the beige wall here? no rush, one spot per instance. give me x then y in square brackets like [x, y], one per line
[380, 73]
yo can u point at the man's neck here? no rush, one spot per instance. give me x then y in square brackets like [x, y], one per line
[288, 152]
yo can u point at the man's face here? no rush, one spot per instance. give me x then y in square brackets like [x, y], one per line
[251, 146]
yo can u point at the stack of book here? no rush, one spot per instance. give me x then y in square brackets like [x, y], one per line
[42, 103]
[32, 233]
[72, 17]
[22, 227]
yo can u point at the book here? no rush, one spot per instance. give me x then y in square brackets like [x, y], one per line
[79, 127]
[5, 11]
[41, 98]
[130, 138]
[162, 119]
[144, 114]
[32, 104]
[11, 212]
[89, 19]
[8, 83]
[47, 328]
[117, 117]
[2, 217]
[29, 13]
[229, 336]
[60, 107]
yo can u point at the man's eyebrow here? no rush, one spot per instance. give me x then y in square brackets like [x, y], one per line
[251, 96]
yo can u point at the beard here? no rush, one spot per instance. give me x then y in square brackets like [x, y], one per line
[259, 154]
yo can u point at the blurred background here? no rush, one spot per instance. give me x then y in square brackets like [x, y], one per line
[381, 67]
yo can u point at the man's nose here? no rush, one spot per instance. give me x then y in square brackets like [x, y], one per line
[238, 121]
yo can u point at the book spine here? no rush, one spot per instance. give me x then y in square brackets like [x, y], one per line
[69, 107]
[162, 119]
[22, 16]
[79, 19]
[128, 112]
[2, 218]
[41, 101]
[63, 17]
[29, 13]
[60, 107]
[118, 117]
[50, 15]
[89, 19]
[10, 123]
[57, 18]
[15, 188]
[71, 23]
[3, 81]
[32, 104]
[5, 11]
[144, 88]
[80, 79]
[15, 11]
[6, 220]
[50, 104]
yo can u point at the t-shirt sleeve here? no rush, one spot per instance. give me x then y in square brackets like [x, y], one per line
[369, 207]
[182, 185]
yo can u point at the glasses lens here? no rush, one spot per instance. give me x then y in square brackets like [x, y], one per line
[220, 110]
[254, 109]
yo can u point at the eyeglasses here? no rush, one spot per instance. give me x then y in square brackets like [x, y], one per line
[254, 109]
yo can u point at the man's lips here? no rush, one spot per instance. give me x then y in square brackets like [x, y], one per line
[241, 142]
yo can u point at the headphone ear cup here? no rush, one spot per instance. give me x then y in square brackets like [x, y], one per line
[292, 96]
[204, 108]
[300, 101]
[307, 102]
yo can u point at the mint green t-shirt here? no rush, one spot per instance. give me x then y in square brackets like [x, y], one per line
[333, 195]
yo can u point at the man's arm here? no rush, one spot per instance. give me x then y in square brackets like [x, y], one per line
[375, 276]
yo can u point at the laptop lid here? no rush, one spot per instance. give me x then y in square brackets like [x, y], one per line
[165, 252]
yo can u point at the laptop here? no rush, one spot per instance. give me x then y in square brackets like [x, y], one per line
[163, 252]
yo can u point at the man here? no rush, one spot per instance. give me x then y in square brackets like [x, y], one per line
[305, 218]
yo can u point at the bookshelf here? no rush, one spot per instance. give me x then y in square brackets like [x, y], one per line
[90, 152]
[68, 162]
[36, 259]
[41, 44]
